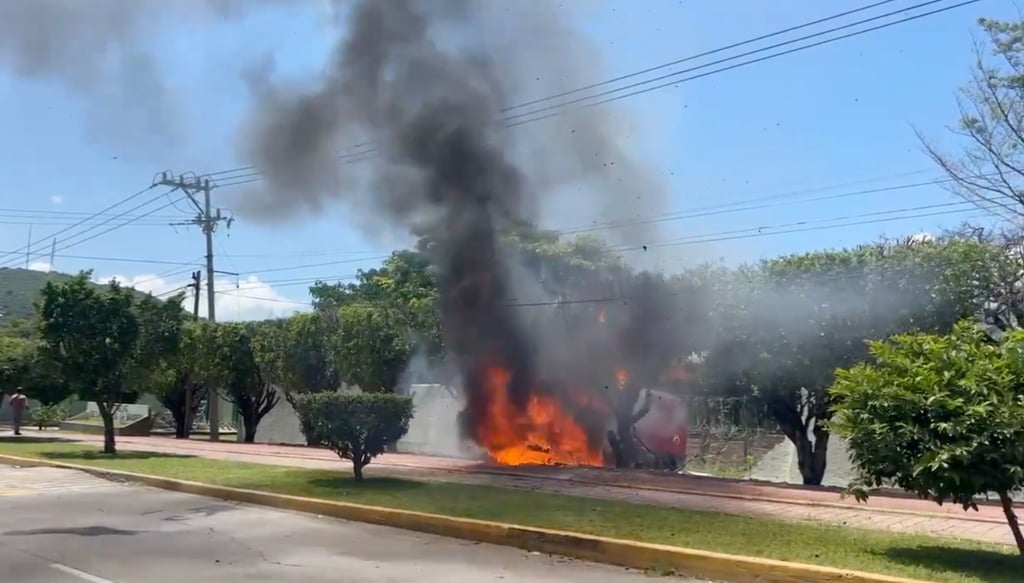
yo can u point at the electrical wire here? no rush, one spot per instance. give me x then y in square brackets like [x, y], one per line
[604, 96]
[66, 244]
[803, 226]
[105, 210]
[625, 298]
[255, 176]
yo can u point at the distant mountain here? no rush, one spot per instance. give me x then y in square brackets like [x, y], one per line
[20, 289]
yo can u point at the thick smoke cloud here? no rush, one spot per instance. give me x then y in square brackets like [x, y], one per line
[395, 59]
[425, 85]
[105, 52]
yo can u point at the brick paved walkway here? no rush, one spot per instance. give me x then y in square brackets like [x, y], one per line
[894, 513]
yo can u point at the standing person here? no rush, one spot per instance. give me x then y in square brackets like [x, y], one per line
[18, 404]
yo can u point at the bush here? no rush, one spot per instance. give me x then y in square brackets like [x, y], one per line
[48, 416]
[357, 427]
[939, 415]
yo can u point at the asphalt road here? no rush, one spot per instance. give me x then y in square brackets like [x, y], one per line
[59, 526]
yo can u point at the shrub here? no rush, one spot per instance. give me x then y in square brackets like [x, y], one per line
[939, 415]
[48, 416]
[357, 427]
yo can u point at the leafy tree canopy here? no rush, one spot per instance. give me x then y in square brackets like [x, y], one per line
[939, 415]
[357, 427]
[105, 343]
[787, 323]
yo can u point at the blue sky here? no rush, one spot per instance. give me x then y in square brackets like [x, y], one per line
[833, 119]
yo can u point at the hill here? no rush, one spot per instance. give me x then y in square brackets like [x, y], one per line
[20, 288]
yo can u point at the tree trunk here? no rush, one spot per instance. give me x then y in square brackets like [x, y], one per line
[625, 448]
[359, 461]
[249, 424]
[179, 424]
[810, 457]
[1011, 519]
[109, 445]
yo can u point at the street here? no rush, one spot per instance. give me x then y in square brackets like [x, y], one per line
[60, 526]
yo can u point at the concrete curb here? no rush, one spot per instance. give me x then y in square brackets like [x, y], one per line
[637, 555]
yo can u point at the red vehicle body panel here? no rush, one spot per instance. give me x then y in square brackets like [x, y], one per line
[664, 429]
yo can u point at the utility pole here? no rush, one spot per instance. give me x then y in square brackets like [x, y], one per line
[207, 220]
[196, 285]
[28, 249]
[197, 278]
[53, 252]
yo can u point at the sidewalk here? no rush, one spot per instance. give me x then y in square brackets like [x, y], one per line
[891, 513]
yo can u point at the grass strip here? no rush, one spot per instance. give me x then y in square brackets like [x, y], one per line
[913, 556]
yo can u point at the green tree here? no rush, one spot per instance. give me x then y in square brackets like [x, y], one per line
[24, 328]
[787, 324]
[299, 353]
[24, 363]
[357, 427]
[373, 346]
[106, 344]
[941, 416]
[231, 359]
[988, 170]
[177, 382]
[405, 287]
[15, 355]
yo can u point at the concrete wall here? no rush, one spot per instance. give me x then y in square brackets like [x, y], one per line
[281, 425]
[434, 429]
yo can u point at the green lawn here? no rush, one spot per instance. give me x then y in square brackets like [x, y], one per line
[917, 557]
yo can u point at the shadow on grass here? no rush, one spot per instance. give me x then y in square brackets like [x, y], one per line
[345, 485]
[92, 455]
[23, 439]
[987, 565]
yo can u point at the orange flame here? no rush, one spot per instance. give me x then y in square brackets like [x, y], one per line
[677, 373]
[544, 433]
[622, 377]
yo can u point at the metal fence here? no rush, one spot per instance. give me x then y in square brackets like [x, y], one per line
[729, 424]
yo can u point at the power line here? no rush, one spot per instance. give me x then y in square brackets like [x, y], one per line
[697, 213]
[697, 56]
[106, 210]
[625, 298]
[729, 208]
[66, 244]
[255, 175]
[37, 223]
[754, 232]
[676, 74]
[712, 210]
[114, 227]
[804, 226]
[707, 211]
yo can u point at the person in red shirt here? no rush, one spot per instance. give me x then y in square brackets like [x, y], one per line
[19, 402]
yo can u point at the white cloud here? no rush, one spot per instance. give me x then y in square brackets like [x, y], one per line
[56, 199]
[246, 299]
[43, 266]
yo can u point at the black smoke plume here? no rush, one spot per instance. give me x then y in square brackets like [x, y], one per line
[423, 85]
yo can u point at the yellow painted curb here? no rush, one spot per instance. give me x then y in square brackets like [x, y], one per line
[637, 555]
